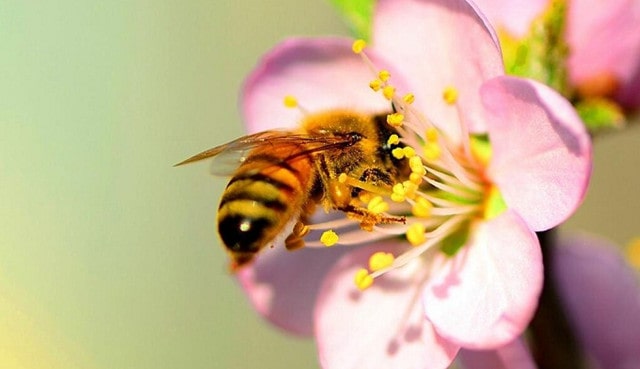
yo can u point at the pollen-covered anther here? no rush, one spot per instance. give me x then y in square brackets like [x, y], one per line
[398, 153]
[290, 101]
[384, 75]
[416, 234]
[410, 189]
[431, 151]
[375, 85]
[431, 134]
[388, 92]
[377, 205]
[409, 98]
[329, 238]
[422, 208]
[363, 279]
[358, 46]
[380, 260]
[395, 119]
[398, 193]
[450, 95]
[409, 152]
[394, 139]
[415, 163]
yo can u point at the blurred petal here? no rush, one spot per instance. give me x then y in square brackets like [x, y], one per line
[439, 44]
[604, 38]
[321, 73]
[485, 295]
[541, 152]
[602, 294]
[515, 17]
[514, 355]
[283, 285]
[381, 327]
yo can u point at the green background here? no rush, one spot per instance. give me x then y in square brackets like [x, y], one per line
[108, 255]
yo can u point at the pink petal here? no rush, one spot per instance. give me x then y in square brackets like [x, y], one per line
[321, 73]
[439, 44]
[485, 295]
[514, 355]
[604, 38]
[513, 16]
[382, 327]
[283, 285]
[602, 295]
[541, 152]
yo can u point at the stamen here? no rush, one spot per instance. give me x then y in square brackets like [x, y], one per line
[290, 101]
[388, 92]
[384, 75]
[395, 119]
[363, 279]
[450, 95]
[409, 98]
[329, 238]
[398, 153]
[416, 234]
[377, 205]
[409, 152]
[375, 85]
[380, 260]
[422, 208]
[393, 140]
[358, 46]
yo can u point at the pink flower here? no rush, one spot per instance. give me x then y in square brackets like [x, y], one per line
[602, 297]
[428, 300]
[603, 39]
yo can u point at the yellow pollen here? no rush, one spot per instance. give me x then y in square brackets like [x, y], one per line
[397, 153]
[388, 92]
[409, 152]
[377, 205]
[415, 178]
[329, 238]
[365, 197]
[393, 140]
[410, 188]
[290, 101]
[450, 95]
[415, 234]
[380, 260]
[422, 208]
[375, 85]
[358, 46]
[342, 178]
[398, 194]
[395, 119]
[384, 75]
[633, 253]
[363, 279]
[409, 98]
[431, 134]
[432, 152]
[415, 163]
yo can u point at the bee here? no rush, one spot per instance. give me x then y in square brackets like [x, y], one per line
[283, 175]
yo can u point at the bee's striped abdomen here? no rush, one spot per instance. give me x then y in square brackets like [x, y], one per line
[261, 198]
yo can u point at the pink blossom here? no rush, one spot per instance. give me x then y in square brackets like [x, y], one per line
[424, 305]
[603, 39]
[602, 296]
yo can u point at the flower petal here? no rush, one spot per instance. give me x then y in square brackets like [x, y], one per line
[515, 17]
[485, 295]
[602, 295]
[438, 44]
[512, 355]
[541, 152]
[321, 73]
[381, 327]
[604, 40]
[283, 285]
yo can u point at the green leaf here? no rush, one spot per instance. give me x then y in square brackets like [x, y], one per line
[599, 113]
[358, 15]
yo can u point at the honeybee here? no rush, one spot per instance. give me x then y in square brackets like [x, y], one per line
[283, 175]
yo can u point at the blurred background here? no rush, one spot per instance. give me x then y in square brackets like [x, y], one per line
[109, 256]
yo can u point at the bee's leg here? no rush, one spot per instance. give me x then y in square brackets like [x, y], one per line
[374, 176]
[295, 240]
[368, 219]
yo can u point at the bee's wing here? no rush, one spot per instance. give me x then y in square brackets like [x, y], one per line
[227, 157]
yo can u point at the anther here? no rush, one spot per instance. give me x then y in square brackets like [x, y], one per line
[377, 205]
[450, 95]
[290, 101]
[409, 98]
[388, 92]
[363, 279]
[422, 208]
[329, 238]
[393, 140]
[380, 260]
[395, 119]
[358, 46]
[415, 234]
[384, 75]
[375, 85]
